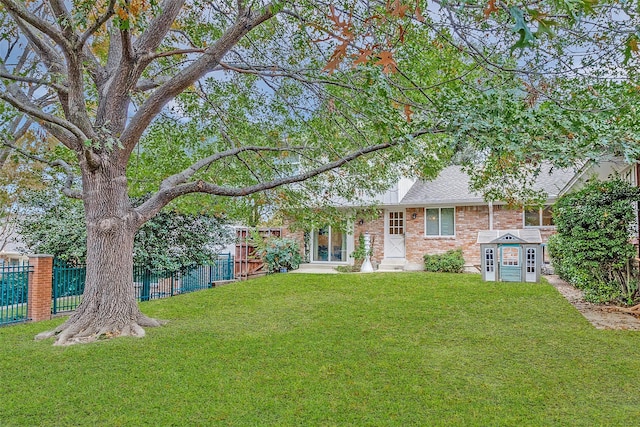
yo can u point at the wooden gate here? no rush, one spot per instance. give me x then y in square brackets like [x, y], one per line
[247, 263]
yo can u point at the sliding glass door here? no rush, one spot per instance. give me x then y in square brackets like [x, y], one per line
[329, 245]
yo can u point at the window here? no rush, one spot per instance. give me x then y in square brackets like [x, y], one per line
[396, 222]
[535, 217]
[440, 222]
[510, 257]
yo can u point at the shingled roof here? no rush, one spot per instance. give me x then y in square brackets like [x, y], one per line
[451, 187]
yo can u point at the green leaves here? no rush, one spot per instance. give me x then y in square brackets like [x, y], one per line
[279, 254]
[522, 28]
[592, 249]
[170, 241]
[631, 47]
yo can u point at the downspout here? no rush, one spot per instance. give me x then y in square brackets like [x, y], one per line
[490, 215]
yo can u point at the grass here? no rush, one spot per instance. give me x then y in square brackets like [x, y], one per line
[378, 349]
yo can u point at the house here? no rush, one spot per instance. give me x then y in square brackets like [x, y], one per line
[604, 169]
[418, 217]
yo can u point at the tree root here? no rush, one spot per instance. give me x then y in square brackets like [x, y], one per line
[77, 331]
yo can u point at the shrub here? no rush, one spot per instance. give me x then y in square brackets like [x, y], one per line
[449, 262]
[348, 268]
[592, 249]
[280, 253]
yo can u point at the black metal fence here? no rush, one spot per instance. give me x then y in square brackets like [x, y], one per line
[68, 281]
[14, 288]
[68, 286]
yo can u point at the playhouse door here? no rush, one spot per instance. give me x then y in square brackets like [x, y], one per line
[531, 265]
[394, 234]
[510, 265]
[489, 264]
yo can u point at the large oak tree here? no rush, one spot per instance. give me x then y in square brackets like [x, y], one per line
[239, 98]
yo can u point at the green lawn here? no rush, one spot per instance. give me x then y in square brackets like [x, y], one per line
[311, 350]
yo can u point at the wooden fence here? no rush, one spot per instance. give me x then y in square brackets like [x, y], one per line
[248, 263]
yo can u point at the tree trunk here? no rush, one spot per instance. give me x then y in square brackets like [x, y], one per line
[109, 307]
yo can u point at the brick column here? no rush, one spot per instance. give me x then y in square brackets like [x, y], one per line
[40, 286]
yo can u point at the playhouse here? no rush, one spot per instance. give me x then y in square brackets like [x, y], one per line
[510, 255]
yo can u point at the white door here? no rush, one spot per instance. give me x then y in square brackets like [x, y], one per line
[394, 234]
[531, 265]
[489, 264]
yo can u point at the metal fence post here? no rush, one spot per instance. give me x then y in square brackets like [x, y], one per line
[54, 283]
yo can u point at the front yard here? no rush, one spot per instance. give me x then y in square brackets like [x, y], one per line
[378, 349]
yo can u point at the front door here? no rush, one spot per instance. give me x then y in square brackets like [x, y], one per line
[394, 234]
[510, 263]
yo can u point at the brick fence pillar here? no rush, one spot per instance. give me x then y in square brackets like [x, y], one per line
[40, 286]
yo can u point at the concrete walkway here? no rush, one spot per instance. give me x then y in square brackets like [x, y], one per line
[316, 269]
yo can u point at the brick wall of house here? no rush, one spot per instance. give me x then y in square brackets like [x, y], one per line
[375, 228]
[505, 218]
[469, 220]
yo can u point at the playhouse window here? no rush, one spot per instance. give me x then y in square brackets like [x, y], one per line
[510, 257]
[440, 222]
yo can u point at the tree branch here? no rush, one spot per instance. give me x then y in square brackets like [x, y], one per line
[99, 22]
[178, 83]
[185, 175]
[35, 112]
[64, 19]
[146, 84]
[43, 49]
[158, 28]
[176, 185]
[18, 10]
[13, 77]
[68, 170]
[176, 52]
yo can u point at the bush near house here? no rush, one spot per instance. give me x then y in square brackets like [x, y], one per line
[449, 262]
[279, 254]
[592, 248]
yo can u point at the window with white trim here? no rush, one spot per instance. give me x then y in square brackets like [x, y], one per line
[440, 221]
[538, 217]
[510, 257]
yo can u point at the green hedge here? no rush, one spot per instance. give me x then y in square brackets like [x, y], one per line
[592, 248]
[449, 262]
